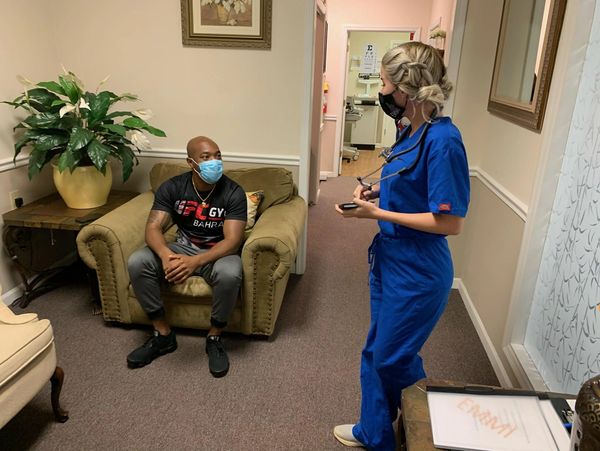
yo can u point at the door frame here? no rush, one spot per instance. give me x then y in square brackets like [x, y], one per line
[339, 129]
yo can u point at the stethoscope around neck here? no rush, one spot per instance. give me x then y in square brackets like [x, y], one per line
[389, 156]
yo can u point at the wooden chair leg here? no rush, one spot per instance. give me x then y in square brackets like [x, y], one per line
[57, 381]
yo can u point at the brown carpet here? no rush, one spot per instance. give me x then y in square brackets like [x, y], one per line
[285, 394]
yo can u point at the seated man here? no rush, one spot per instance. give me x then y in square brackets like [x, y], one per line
[210, 212]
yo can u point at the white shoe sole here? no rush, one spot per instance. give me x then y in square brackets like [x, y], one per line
[344, 441]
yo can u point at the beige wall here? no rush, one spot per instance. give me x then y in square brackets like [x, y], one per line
[25, 49]
[504, 156]
[507, 152]
[490, 243]
[249, 101]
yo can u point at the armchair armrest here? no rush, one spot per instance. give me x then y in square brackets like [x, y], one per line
[106, 244]
[278, 231]
[267, 257]
[8, 317]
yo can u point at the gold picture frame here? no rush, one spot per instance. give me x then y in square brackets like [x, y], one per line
[242, 24]
[528, 107]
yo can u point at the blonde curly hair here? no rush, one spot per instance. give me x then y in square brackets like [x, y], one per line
[418, 70]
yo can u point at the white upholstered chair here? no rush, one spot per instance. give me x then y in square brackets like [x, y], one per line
[27, 363]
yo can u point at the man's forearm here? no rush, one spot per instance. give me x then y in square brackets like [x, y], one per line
[155, 240]
[219, 250]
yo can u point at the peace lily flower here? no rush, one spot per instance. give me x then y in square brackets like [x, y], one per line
[144, 114]
[66, 109]
[24, 81]
[139, 140]
[82, 104]
[104, 80]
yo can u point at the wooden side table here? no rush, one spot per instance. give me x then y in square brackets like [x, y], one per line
[37, 262]
[414, 425]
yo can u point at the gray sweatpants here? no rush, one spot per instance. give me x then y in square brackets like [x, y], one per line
[224, 276]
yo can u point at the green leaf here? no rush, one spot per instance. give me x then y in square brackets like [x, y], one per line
[43, 120]
[80, 137]
[99, 154]
[71, 90]
[127, 158]
[99, 105]
[48, 142]
[41, 99]
[53, 86]
[128, 96]
[37, 160]
[59, 103]
[119, 113]
[69, 159]
[155, 131]
[115, 128]
[68, 122]
[135, 122]
[16, 104]
[28, 136]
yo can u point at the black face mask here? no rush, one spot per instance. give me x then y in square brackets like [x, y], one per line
[390, 107]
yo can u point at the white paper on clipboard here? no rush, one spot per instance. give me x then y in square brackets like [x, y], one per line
[489, 422]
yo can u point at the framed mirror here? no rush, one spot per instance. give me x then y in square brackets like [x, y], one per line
[527, 45]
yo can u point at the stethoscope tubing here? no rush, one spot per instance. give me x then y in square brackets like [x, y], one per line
[391, 157]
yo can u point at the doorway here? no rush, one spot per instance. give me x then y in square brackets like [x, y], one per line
[365, 129]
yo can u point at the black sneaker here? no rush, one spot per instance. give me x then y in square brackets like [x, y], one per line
[156, 346]
[218, 363]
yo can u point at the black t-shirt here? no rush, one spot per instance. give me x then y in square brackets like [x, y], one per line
[201, 222]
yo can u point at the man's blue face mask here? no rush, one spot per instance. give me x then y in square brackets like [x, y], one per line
[210, 171]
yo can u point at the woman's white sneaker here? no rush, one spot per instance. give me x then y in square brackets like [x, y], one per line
[343, 433]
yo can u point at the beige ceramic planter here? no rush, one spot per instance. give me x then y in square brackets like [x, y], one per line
[85, 187]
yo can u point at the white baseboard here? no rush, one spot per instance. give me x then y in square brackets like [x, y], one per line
[324, 175]
[486, 341]
[12, 295]
[524, 368]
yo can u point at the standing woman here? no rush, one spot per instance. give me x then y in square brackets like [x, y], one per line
[423, 196]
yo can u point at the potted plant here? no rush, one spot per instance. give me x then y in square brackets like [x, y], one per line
[76, 130]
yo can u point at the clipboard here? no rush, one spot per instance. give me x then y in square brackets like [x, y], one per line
[489, 418]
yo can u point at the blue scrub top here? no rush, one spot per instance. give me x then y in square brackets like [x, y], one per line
[438, 184]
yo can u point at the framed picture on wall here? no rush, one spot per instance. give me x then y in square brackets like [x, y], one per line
[227, 23]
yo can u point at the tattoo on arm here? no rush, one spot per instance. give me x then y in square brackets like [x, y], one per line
[161, 218]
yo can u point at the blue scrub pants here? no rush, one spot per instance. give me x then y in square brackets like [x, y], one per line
[410, 280]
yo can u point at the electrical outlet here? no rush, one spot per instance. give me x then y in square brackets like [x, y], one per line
[12, 196]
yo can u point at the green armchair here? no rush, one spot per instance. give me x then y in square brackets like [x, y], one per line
[268, 254]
